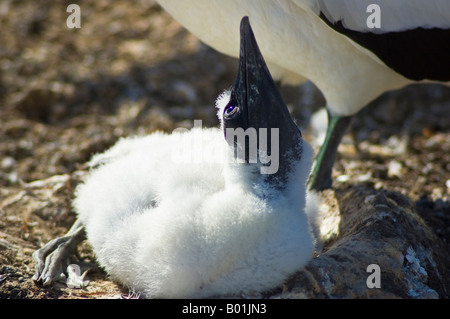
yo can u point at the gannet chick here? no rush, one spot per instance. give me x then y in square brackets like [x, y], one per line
[202, 213]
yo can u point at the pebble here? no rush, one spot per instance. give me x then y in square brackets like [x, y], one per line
[343, 178]
[8, 162]
[395, 169]
[365, 178]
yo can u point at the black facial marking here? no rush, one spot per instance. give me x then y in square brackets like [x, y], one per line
[233, 115]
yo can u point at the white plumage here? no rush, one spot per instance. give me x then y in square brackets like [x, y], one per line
[182, 229]
[296, 44]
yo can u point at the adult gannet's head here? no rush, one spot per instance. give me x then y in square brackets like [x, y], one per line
[254, 117]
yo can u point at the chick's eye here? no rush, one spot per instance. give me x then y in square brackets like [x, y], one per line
[230, 111]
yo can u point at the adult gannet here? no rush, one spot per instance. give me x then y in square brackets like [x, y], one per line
[352, 50]
[179, 215]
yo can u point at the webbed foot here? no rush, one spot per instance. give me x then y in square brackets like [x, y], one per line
[53, 258]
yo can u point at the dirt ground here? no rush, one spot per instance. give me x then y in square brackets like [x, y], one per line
[131, 69]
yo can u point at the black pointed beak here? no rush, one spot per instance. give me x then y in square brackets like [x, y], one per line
[255, 101]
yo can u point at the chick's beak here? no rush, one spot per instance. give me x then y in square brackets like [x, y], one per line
[255, 101]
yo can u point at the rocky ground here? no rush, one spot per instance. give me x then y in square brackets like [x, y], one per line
[131, 69]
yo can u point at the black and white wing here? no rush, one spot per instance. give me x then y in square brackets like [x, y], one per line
[410, 36]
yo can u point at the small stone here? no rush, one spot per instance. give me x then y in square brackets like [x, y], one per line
[365, 178]
[7, 162]
[395, 169]
[343, 178]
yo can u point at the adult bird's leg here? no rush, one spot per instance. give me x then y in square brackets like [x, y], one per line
[320, 177]
[52, 259]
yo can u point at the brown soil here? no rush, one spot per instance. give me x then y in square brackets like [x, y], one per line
[131, 69]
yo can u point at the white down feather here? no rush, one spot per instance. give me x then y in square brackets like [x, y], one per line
[167, 225]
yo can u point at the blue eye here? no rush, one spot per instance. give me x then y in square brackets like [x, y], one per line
[230, 111]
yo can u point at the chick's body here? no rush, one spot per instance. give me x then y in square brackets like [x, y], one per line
[168, 223]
